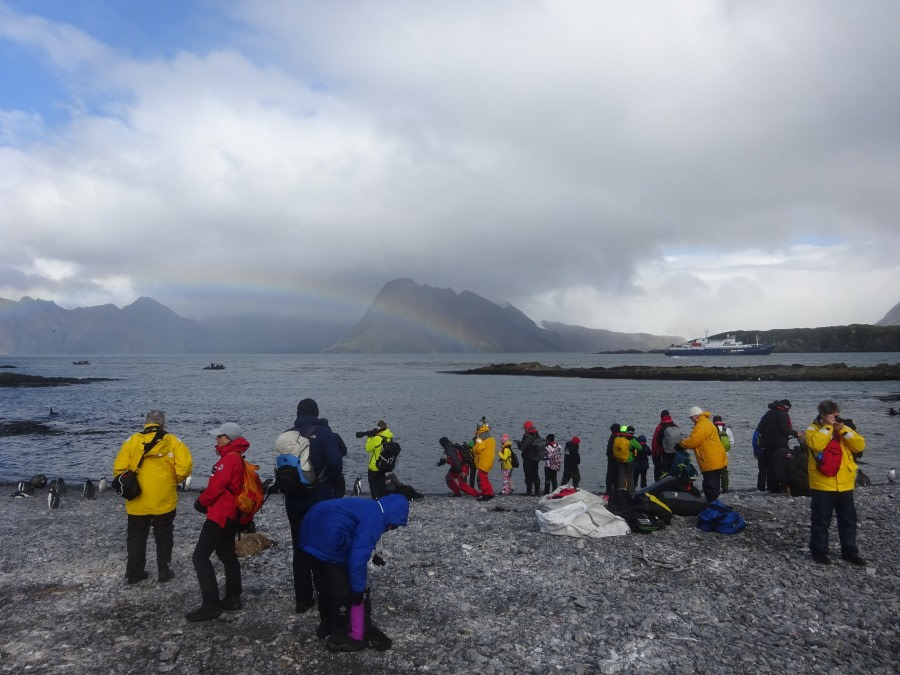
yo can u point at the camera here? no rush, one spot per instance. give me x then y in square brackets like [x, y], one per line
[838, 419]
[370, 432]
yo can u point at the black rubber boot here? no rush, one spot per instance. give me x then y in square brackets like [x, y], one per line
[339, 640]
[204, 613]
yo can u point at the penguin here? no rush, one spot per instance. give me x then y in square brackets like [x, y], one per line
[53, 499]
[25, 488]
[19, 495]
[52, 413]
[39, 481]
[61, 486]
[892, 476]
[102, 485]
[357, 486]
[186, 484]
[89, 491]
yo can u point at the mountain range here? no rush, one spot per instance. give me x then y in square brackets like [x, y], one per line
[405, 317]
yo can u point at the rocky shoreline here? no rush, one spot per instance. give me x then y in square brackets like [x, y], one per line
[469, 587]
[19, 380]
[781, 373]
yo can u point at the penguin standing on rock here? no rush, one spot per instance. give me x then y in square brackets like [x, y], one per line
[61, 486]
[102, 485]
[53, 499]
[25, 488]
[186, 484]
[892, 476]
[89, 491]
[39, 481]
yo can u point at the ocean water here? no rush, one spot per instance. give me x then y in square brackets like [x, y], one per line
[412, 393]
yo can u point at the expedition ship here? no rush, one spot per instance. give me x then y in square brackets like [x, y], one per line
[710, 347]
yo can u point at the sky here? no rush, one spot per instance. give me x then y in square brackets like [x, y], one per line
[641, 166]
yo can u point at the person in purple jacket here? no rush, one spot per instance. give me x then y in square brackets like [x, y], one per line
[340, 537]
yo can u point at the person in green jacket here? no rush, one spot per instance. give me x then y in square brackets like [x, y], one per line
[374, 444]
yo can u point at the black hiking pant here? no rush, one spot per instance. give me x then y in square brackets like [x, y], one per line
[532, 479]
[218, 539]
[138, 530]
[550, 480]
[571, 474]
[303, 583]
[377, 484]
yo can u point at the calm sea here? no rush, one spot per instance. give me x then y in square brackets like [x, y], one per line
[418, 401]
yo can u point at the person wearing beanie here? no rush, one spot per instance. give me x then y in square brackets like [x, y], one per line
[531, 446]
[571, 460]
[710, 453]
[328, 465]
[374, 443]
[506, 465]
[552, 463]
[727, 438]
[453, 458]
[641, 462]
[218, 502]
[662, 445]
[612, 471]
[776, 429]
[484, 449]
[164, 461]
[624, 458]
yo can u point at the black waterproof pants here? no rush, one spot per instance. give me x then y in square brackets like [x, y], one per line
[218, 539]
[138, 530]
[302, 566]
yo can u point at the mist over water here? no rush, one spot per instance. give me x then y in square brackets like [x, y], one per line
[418, 401]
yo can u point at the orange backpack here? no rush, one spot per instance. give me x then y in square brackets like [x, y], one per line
[252, 495]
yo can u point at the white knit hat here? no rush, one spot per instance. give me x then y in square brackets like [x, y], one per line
[695, 411]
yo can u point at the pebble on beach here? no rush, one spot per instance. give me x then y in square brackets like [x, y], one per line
[469, 587]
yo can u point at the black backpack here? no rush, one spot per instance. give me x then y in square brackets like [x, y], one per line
[640, 516]
[539, 449]
[513, 458]
[387, 455]
[466, 453]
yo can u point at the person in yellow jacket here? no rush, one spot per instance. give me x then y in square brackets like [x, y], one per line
[623, 456]
[374, 443]
[485, 452]
[710, 453]
[161, 461]
[832, 478]
[506, 465]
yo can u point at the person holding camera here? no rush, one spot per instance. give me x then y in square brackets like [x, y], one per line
[832, 478]
[374, 444]
[219, 529]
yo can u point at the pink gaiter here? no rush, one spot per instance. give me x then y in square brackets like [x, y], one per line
[357, 621]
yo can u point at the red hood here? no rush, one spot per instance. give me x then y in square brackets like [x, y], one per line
[238, 445]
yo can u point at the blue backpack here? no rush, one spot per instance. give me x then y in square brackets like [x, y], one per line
[721, 518]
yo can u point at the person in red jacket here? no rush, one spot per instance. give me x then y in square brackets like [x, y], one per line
[217, 501]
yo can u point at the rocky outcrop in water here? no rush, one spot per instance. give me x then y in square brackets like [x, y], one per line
[19, 380]
[781, 373]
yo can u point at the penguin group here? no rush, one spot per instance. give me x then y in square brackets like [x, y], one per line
[56, 489]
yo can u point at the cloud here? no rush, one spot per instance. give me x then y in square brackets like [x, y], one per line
[632, 166]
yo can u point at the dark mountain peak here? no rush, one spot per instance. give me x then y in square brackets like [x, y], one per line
[892, 318]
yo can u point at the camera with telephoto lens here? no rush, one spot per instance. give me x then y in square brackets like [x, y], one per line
[370, 433]
[838, 419]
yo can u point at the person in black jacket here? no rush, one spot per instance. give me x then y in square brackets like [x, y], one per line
[327, 461]
[571, 460]
[612, 469]
[775, 428]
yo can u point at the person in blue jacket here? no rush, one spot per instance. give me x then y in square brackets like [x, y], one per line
[340, 537]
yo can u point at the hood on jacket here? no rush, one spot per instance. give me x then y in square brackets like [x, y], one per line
[395, 508]
[239, 444]
[302, 421]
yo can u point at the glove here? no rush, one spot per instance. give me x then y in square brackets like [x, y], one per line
[356, 598]
[441, 461]
[199, 506]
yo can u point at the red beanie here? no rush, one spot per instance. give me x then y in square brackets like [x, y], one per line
[576, 440]
[528, 426]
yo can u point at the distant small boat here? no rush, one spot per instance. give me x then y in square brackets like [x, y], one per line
[81, 363]
[727, 347]
[214, 366]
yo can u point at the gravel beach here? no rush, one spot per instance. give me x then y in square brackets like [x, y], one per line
[469, 587]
